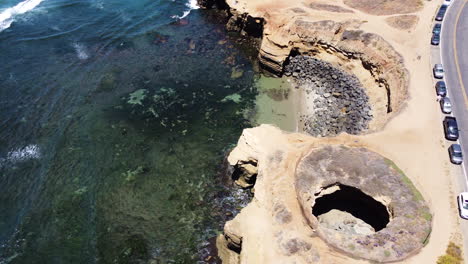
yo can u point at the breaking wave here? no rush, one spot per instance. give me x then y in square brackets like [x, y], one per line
[8, 15]
[192, 5]
[22, 154]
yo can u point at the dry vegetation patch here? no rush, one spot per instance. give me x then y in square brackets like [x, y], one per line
[385, 7]
[329, 8]
[453, 255]
[403, 22]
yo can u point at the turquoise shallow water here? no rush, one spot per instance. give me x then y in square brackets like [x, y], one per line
[114, 122]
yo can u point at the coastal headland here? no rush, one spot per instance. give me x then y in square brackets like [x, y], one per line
[363, 68]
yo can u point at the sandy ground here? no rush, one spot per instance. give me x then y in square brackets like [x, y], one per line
[413, 139]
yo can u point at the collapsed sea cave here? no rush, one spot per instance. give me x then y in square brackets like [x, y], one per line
[357, 203]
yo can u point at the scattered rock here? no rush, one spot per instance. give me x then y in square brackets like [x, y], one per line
[340, 104]
[345, 222]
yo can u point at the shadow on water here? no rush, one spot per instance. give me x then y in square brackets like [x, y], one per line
[132, 138]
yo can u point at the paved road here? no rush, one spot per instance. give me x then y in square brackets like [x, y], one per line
[454, 57]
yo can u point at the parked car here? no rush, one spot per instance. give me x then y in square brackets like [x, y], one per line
[445, 105]
[447, 2]
[441, 89]
[450, 128]
[438, 71]
[435, 40]
[441, 13]
[455, 153]
[437, 28]
[463, 204]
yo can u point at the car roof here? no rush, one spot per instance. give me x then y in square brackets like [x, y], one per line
[456, 147]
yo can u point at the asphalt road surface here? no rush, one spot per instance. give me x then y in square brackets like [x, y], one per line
[453, 54]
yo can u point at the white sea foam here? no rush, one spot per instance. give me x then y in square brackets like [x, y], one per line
[192, 4]
[81, 51]
[8, 15]
[22, 154]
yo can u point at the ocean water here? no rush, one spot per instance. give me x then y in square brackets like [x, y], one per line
[115, 118]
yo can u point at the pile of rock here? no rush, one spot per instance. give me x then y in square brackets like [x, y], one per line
[338, 100]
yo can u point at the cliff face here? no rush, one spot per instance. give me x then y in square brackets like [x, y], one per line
[329, 32]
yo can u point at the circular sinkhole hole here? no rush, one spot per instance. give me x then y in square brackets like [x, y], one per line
[350, 201]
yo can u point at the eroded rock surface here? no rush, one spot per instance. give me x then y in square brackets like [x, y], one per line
[377, 177]
[315, 29]
[369, 209]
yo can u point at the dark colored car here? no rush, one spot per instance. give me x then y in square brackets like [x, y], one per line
[441, 89]
[450, 128]
[437, 28]
[435, 40]
[455, 153]
[440, 15]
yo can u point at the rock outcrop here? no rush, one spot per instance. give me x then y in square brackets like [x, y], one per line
[338, 40]
[317, 197]
[343, 168]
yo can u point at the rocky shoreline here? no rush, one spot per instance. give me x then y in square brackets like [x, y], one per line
[337, 101]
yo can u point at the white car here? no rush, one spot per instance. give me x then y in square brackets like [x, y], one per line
[463, 204]
[447, 2]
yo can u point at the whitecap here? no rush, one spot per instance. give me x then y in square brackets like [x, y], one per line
[80, 50]
[7, 16]
[22, 154]
[99, 4]
[192, 5]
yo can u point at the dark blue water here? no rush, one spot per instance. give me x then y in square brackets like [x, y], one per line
[114, 121]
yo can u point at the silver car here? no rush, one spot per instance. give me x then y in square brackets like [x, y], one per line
[445, 105]
[438, 71]
[455, 153]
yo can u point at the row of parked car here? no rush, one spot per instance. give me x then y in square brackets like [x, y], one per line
[451, 130]
[435, 40]
[450, 124]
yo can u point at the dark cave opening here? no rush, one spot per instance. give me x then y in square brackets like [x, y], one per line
[357, 203]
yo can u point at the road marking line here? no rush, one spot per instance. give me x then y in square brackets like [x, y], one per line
[460, 80]
[462, 86]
